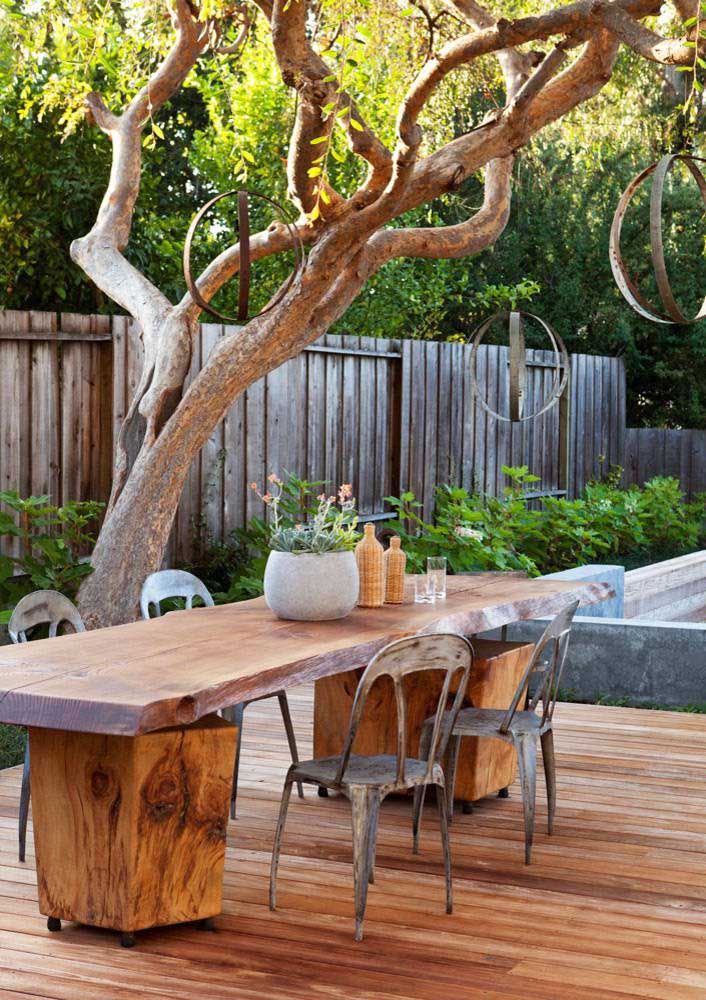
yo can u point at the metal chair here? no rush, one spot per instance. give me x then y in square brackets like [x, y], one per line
[43, 607]
[170, 583]
[367, 780]
[523, 729]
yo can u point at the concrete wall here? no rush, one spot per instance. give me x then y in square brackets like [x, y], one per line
[640, 660]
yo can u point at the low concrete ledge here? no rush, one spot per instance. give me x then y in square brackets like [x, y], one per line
[641, 660]
[598, 573]
[673, 590]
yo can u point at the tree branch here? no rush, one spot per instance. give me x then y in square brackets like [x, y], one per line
[304, 70]
[469, 237]
[647, 43]
[99, 253]
[515, 65]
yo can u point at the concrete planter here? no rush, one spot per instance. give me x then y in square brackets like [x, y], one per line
[308, 586]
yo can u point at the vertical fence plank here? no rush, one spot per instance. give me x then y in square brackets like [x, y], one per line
[45, 426]
[212, 454]
[187, 524]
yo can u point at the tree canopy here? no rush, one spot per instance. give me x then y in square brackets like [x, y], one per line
[230, 124]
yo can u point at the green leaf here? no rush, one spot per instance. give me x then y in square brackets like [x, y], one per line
[318, 140]
[357, 126]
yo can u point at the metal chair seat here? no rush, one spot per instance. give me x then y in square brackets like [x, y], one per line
[380, 770]
[488, 722]
[169, 583]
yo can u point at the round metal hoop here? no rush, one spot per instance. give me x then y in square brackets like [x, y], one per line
[623, 279]
[244, 240]
[518, 368]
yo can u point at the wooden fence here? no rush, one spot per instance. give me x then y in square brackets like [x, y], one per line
[384, 415]
[655, 451]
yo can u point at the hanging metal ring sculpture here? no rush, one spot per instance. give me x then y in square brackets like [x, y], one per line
[518, 366]
[244, 270]
[623, 279]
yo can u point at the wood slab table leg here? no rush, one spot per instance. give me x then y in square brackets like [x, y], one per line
[485, 765]
[130, 832]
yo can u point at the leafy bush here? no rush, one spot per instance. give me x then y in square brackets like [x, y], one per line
[478, 532]
[51, 540]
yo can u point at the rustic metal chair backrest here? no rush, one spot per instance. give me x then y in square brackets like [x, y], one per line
[43, 607]
[448, 653]
[549, 671]
[168, 583]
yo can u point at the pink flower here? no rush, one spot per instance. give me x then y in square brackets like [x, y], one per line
[267, 498]
[321, 497]
[253, 486]
[274, 478]
[345, 490]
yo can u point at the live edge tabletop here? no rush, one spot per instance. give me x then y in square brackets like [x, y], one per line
[147, 675]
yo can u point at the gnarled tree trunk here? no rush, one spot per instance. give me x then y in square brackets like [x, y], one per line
[348, 237]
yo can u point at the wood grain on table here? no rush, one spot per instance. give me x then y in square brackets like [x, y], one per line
[145, 675]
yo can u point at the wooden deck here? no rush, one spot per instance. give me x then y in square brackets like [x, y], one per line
[614, 905]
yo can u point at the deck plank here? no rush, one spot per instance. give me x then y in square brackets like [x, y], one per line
[612, 908]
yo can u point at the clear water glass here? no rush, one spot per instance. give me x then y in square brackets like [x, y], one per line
[424, 592]
[436, 572]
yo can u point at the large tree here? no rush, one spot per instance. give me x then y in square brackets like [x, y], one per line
[551, 62]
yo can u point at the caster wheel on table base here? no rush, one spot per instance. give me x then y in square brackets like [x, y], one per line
[504, 793]
[127, 940]
[53, 924]
[466, 808]
[207, 924]
[323, 792]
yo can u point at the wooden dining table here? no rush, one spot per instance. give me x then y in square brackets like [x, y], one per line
[131, 765]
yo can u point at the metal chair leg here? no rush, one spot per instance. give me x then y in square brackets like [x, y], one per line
[24, 804]
[236, 713]
[526, 747]
[365, 804]
[450, 774]
[276, 847]
[417, 810]
[373, 842]
[289, 730]
[444, 823]
[420, 790]
[549, 761]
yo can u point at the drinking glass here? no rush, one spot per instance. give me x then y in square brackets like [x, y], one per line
[424, 592]
[436, 572]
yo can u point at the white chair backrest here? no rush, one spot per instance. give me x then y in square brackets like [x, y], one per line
[43, 607]
[168, 583]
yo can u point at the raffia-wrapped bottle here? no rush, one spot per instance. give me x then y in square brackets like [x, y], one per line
[395, 561]
[371, 569]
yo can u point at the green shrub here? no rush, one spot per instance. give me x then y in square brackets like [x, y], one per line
[12, 745]
[51, 540]
[478, 532]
